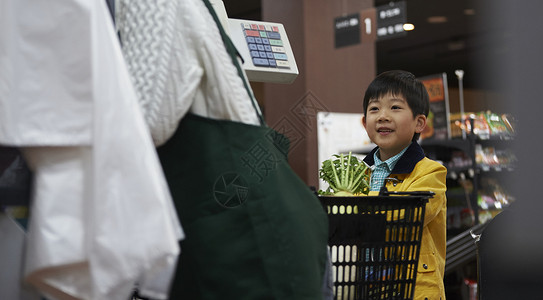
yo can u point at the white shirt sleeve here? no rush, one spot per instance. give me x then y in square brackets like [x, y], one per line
[192, 60]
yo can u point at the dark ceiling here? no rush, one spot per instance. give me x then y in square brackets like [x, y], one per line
[468, 40]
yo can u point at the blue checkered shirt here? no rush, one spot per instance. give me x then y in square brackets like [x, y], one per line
[381, 169]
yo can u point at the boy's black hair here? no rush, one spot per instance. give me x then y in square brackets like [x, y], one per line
[401, 83]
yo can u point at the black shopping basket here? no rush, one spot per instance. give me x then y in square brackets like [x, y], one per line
[375, 244]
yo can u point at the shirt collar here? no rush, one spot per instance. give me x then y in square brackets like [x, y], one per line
[391, 162]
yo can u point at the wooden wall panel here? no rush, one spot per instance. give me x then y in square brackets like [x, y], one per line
[330, 79]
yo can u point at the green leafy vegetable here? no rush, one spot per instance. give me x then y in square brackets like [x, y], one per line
[345, 175]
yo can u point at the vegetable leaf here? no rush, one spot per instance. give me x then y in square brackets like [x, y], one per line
[345, 175]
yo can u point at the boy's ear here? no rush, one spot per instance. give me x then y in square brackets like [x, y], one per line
[421, 123]
[364, 120]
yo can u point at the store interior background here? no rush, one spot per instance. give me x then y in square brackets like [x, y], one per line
[496, 44]
[461, 36]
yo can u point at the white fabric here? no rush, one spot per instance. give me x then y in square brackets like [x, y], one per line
[102, 217]
[26, 60]
[201, 77]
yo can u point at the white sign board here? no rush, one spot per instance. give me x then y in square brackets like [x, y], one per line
[340, 133]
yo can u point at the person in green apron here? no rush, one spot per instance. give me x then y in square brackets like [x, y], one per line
[253, 229]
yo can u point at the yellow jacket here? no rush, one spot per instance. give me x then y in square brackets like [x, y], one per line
[415, 172]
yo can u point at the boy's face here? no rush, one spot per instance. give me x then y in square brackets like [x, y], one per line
[390, 124]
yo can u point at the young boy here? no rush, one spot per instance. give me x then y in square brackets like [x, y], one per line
[395, 109]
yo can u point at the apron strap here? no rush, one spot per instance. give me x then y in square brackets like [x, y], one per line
[233, 52]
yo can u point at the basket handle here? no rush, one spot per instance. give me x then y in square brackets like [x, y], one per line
[385, 192]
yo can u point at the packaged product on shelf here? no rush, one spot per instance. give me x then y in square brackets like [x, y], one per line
[457, 125]
[460, 159]
[480, 126]
[508, 120]
[486, 157]
[486, 202]
[490, 158]
[493, 194]
[485, 125]
[496, 125]
[485, 216]
[479, 154]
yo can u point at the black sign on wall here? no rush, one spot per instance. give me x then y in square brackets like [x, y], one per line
[347, 30]
[390, 20]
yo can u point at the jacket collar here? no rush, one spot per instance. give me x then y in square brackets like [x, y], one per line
[406, 163]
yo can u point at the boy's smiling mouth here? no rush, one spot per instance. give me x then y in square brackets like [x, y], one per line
[384, 130]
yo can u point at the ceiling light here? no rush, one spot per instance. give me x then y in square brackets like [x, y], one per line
[456, 45]
[469, 11]
[408, 26]
[437, 19]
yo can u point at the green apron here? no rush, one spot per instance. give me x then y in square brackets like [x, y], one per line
[253, 229]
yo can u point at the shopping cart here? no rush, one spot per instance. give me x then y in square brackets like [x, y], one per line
[375, 244]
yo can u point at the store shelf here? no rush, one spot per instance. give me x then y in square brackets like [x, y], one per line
[459, 144]
[495, 169]
[460, 156]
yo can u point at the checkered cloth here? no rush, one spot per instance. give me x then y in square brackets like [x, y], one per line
[381, 169]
